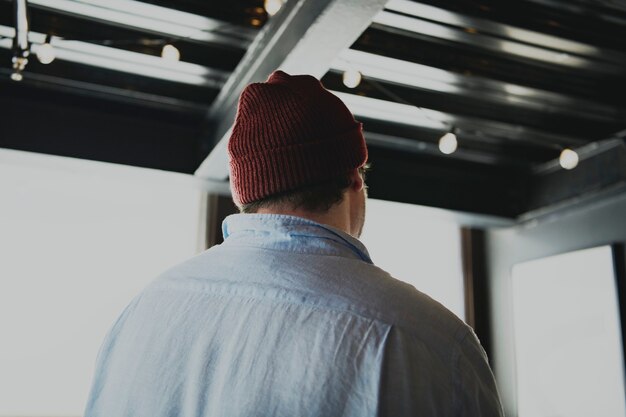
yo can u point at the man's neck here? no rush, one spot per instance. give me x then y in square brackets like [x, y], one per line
[337, 216]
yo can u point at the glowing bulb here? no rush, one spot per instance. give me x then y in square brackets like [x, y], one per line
[568, 159]
[45, 53]
[273, 6]
[351, 78]
[448, 143]
[16, 76]
[170, 52]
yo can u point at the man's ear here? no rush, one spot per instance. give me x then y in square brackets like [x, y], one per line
[357, 180]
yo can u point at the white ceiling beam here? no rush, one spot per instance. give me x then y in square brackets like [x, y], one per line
[491, 27]
[122, 60]
[159, 20]
[401, 22]
[423, 77]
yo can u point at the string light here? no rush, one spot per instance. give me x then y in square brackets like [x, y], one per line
[45, 52]
[448, 143]
[351, 78]
[170, 52]
[19, 63]
[568, 159]
[16, 76]
[273, 6]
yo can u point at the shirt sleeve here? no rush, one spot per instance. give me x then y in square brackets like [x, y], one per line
[418, 379]
[475, 392]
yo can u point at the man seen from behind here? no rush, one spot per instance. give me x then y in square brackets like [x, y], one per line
[290, 316]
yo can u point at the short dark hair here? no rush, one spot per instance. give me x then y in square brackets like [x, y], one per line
[315, 198]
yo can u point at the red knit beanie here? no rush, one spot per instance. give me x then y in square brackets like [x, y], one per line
[290, 132]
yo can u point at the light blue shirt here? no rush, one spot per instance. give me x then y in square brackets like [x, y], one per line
[288, 317]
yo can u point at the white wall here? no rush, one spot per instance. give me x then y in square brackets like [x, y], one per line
[78, 239]
[567, 336]
[419, 246]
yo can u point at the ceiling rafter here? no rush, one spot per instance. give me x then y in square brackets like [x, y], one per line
[425, 77]
[475, 39]
[122, 60]
[154, 19]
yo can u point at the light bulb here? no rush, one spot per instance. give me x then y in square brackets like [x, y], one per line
[170, 52]
[45, 53]
[448, 143]
[568, 159]
[273, 6]
[351, 78]
[16, 76]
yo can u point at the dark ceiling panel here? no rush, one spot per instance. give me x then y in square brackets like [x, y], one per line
[53, 122]
[453, 184]
[241, 12]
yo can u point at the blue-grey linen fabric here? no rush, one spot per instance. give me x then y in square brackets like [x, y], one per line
[288, 317]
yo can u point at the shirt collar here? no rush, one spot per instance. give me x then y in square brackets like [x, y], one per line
[291, 233]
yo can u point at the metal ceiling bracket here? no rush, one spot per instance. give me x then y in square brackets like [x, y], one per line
[20, 47]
